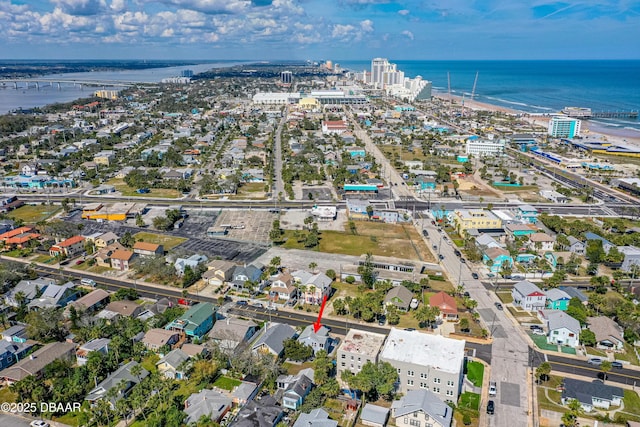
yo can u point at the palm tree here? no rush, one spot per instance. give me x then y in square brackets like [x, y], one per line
[313, 265]
[605, 367]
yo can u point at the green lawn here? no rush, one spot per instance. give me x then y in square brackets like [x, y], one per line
[631, 402]
[595, 352]
[169, 242]
[122, 187]
[46, 259]
[149, 362]
[629, 355]
[505, 297]
[470, 400]
[70, 419]
[32, 214]
[7, 395]
[568, 350]
[475, 372]
[227, 383]
[541, 342]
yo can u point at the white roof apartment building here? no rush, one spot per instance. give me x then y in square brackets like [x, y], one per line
[485, 147]
[358, 348]
[425, 361]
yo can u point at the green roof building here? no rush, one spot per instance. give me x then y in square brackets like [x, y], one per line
[196, 322]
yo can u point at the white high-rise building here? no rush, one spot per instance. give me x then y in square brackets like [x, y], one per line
[378, 66]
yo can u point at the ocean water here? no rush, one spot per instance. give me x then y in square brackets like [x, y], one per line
[534, 86]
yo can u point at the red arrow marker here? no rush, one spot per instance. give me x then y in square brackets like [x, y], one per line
[317, 324]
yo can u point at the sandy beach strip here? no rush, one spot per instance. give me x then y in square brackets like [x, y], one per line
[590, 130]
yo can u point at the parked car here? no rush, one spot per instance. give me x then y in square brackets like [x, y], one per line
[499, 306]
[475, 276]
[462, 260]
[534, 327]
[538, 332]
[88, 282]
[258, 305]
[242, 302]
[382, 320]
[491, 407]
[457, 252]
[39, 423]
[596, 361]
[493, 388]
[467, 295]
[272, 308]
[441, 257]
[425, 233]
[435, 247]
[617, 365]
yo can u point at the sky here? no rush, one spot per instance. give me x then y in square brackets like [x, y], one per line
[319, 29]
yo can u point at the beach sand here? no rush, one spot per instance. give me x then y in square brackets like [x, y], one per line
[590, 130]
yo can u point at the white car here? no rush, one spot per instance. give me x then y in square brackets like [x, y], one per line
[493, 388]
[538, 332]
[39, 423]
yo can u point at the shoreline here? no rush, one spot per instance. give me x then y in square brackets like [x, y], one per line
[591, 130]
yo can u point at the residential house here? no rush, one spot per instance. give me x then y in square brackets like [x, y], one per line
[156, 338]
[272, 338]
[575, 293]
[316, 418]
[283, 288]
[606, 245]
[27, 290]
[246, 274]
[562, 328]
[193, 350]
[196, 322]
[608, 333]
[528, 296]
[517, 230]
[495, 258]
[576, 246]
[16, 334]
[594, 394]
[314, 288]
[69, 247]
[11, 352]
[374, 415]
[541, 242]
[172, 365]
[89, 303]
[358, 348]
[19, 237]
[317, 340]
[105, 239]
[355, 152]
[219, 272]
[208, 403]
[447, 305]
[99, 345]
[527, 214]
[400, 297]
[631, 258]
[229, 333]
[104, 157]
[122, 308]
[103, 256]
[292, 389]
[486, 241]
[55, 296]
[122, 259]
[38, 361]
[421, 408]
[425, 361]
[123, 379]
[193, 261]
[557, 299]
[260, 413]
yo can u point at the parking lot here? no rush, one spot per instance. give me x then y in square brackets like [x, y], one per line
[317, 193]
[246, 225]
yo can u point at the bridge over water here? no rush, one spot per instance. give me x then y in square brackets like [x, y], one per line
[42, 82]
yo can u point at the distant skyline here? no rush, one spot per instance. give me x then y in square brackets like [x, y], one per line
[319, 29]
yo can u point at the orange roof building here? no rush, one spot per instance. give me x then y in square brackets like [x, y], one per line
[446, 303]
[19, 236]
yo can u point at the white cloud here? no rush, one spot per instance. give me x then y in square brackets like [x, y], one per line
[366, 25]
[80, 7]
[209, 6]
[403, 12]
[408, 34]
[118, 5]
[342, 31]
